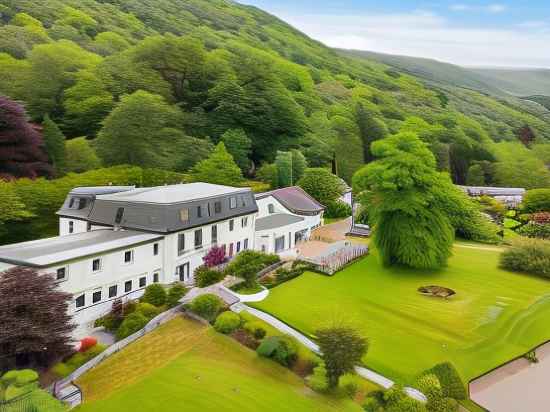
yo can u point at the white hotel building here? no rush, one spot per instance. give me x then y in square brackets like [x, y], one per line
[114, 241]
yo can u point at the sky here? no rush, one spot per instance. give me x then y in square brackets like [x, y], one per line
[469, 33]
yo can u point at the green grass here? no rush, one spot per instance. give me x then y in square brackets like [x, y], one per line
[186, 366]
[494, 317]
[243, 289]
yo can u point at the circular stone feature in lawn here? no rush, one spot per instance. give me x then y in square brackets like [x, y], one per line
[437, 291]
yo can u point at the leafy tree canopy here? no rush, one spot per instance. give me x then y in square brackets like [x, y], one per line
[219, 168]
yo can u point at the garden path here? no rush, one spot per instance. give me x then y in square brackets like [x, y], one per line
[284, 328]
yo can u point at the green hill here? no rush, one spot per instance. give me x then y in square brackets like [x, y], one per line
[518, 82]
[430, 70]
[216, 65]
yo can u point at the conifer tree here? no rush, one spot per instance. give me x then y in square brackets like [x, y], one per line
[54, 141]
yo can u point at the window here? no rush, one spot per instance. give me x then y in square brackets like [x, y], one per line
[96, 296]
[155, 277]
[279, 244]
[198, 238]
[88, 227]
[243, 201]
[96, 265]
[119, 215]
[71, 203]
[238, 246]
[244, 221]
[142, 282]
[113, 291]
[128, 256]
[271, 208]
[214, 234]
[181, 243]
[199, 211]
[71, 226]
[232, 202]
[245, 244]
[128, 286]
[61, 273]
[231, 249]
[217, 207]
[231, 225]
[80, 301]
[224, 248]
[208, 211]
[82, 202]
[155, 249]
[184, 215]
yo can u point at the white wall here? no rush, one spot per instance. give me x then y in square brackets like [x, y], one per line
[79, 226]
[194, 256]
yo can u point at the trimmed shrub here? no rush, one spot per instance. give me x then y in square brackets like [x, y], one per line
[373, 405]
[205, 276]
[133, 322]
[535, 230]
[392, 400]
[63, 369]
[255, 328]
[175, 293]
[318, 381]
[207, 306]
[227, 322]
[536, 200]
[337, 209]
[528, 255]
[282, 349]
[87, 343]
[154, 294]
[247, 264]
[19, 378]
[349, 384]
[148, 310]
[449, 379]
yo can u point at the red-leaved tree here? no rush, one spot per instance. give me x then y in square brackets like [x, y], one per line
[21, 147]
[35, 328]
[526, 135]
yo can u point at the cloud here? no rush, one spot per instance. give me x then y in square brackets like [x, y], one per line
[426, 34]
[489, 8]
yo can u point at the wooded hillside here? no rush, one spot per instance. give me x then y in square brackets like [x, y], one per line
[157, 83]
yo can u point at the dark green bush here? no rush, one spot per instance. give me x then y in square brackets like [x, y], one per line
[175, 293]
[282, 349]
[154, 294]
[449, 379]
[133, 322]
[536, 200]
[227, 322]
[529, 256]
[336, 209]
[71, 364]
[205, 276]
[207, 306]
[249, 263]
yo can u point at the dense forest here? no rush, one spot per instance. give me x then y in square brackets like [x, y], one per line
[159, 83]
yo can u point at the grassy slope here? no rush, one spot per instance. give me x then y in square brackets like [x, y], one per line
[185, 366]
[519, 82]
[429, 69]
[494, 317]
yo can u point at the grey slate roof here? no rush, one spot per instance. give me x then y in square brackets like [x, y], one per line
[50, 251]
[160, 209]
[276, 220]
[72, 207]
[295, 199]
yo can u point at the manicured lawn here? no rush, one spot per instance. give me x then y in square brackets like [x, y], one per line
[495, 316]
[184, 366]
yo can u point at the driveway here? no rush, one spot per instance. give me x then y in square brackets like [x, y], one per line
[517, 386]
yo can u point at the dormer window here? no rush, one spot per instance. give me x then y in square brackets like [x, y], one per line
[119, 215]
[82, 202]
[217, 207]
[232, 202]
[184, 215]
[271, 208]
[71, 203]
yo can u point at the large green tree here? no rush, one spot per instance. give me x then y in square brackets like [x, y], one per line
[411, 226]
[322, 185]
[80, 156]
[141, 130]
[219, 168]
[239, 145]
[54, 140]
